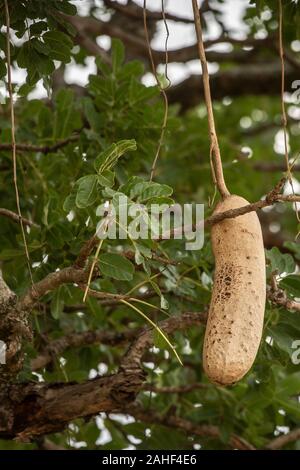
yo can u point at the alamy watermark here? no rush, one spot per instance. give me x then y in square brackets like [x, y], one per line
[123, 219]
[295, 357]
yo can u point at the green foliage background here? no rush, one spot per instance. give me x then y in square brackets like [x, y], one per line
[118, 109]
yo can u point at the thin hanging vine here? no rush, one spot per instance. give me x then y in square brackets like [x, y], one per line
[215, 154]
[161, 88]
[13, 138]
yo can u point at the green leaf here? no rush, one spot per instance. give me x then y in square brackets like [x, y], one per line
[118, 54]
[57, 304]
[107, 159]
[66, 7]
[284, 336]
[294, 247]
[106, 179]
[10, 253]
[282, 262]
[69, 202]
[289, 385]
[132, 69]
[93, 117]
[291, 284]
[38, 27]
[116, 266]
[148, 190]
[40, 46]
[60, 45]
[87, 191]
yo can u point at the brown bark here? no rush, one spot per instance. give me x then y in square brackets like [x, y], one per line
[34, 409]
[239, 81]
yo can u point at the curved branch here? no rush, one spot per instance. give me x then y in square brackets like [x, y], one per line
[50, 283]
[77, 340]
[281, 441]
[15, 217]
[136, 12]
[34, 409]
[44, 148]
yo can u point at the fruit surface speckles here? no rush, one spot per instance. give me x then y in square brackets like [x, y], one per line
[236, 313]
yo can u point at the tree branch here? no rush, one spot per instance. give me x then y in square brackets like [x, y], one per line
[77, 340]
[50, 283]
[182, 389]
[278, 296]
[136, 12]
[175, 422]
[281, 441]
[15, 217]
[34, 409]
[43, 149]
[256, 79]
[92, 27]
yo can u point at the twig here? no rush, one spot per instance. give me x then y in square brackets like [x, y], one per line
[172, 421]
[218, 169]
[42, 149]
[13, 140]
[180, 389]
[281, 441]
[132, 359]
[51, 282]
[284, 116]
[77, 274]
[46, 444]
[283, 110]
[278, 297]
[109, 299]
[161, 89]
[272, 167]
[85, 251]
[92, 47]
[271, 198]
[77, 340]
[135, 12]
[15, 217]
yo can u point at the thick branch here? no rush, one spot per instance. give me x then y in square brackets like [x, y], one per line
[248, 80]
[31, 410]
[136, 12]
[91, 27]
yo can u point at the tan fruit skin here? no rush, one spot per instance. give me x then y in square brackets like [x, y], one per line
[236, 314]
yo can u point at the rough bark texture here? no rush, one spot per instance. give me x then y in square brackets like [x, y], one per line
[34, 409]
[14, 328]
